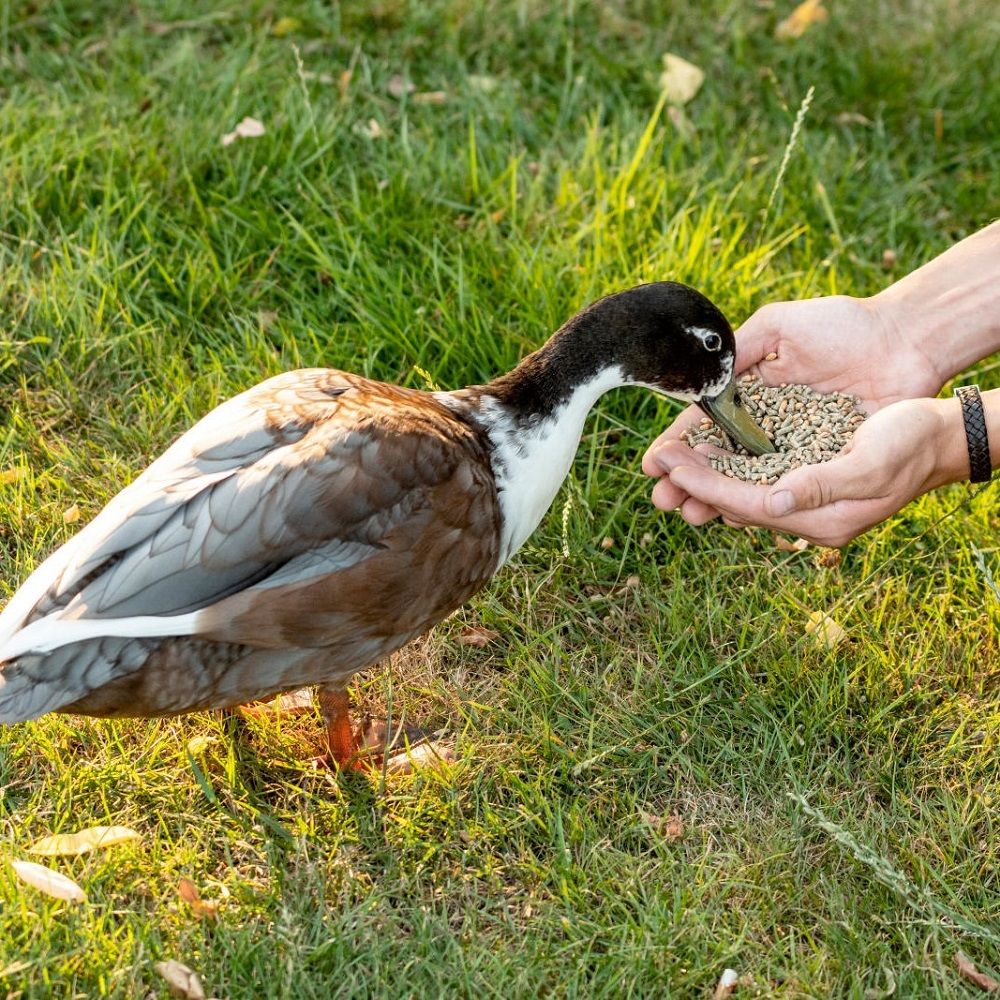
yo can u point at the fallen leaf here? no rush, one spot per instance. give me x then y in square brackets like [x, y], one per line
[478, 637]
[497, 216]
[632, 582]
[344, 82]
[827, 633]
[829, 558]
[82, 842]
[370, 129]
[399, 86]
[71, 515]
[11, 475]
[680, 79]
[851, 118]
[726, 985]
[183, 982]
[797, 23]
[782, 544]
[430, 97]
[199, 744]
[968, 971]
[14, 968]
[50, 882]
[285, 26]
[607, 542]
[422, 755]
[249, 128]
[671, 828]
[484, 84]
[202, 908]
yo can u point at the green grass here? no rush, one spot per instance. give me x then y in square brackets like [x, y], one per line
[840, 808]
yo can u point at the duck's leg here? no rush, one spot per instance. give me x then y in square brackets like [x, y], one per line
[336, 709]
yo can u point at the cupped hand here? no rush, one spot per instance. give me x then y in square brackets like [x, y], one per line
[834, 344]
[903, 450]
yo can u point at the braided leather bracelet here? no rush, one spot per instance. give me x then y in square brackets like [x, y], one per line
[980, 467]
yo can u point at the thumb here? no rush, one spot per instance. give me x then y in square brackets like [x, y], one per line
[847, 477]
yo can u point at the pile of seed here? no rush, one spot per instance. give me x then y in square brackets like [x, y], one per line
[806, 427]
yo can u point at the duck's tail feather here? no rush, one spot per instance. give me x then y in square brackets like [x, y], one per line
[36, 683]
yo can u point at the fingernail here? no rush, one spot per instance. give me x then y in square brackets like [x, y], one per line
[782, 502]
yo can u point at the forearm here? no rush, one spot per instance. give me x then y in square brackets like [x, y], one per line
[949, 309]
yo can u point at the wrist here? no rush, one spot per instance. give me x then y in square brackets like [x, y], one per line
[912, 344]
[946, 311]
[951, 446]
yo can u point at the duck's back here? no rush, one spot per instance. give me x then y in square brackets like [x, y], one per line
[296, 534]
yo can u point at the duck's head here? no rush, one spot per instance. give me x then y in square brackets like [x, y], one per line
[672, 339]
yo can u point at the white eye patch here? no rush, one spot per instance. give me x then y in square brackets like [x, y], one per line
[709, 338]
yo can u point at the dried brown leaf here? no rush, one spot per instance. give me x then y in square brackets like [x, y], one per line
[83, 841]
[852, 118]
[804, 16]
[52, 883]
[477, 636]
[671, 828]
[423, 755]
[827, 633]
[71, 515]
[371, 129]
[783, 544]
[680, 79]
[968, 971]
[248, 128]
[399, 86]
[183, 982]
[11, 475]
[202, 908]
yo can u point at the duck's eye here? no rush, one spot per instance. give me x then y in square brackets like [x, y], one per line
[713, 342]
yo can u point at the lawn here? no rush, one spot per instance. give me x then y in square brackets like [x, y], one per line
[659, 773]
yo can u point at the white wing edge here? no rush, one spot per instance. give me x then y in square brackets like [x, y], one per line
[53, 631]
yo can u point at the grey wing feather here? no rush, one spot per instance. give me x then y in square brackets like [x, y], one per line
[211, 503]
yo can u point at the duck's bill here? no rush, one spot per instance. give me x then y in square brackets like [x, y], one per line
[736, 422]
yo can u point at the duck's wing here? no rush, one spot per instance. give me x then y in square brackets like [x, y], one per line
[302, 476]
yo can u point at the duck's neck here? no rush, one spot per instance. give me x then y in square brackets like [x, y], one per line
[534, 418]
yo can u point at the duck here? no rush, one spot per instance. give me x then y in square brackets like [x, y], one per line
[309, 527]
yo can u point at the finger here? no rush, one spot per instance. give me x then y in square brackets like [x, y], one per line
[732, 497]
[673, 454]
[697, 513]
[686, 419]
[666, 496]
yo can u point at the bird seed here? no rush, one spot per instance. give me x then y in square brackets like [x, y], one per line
[805, 426]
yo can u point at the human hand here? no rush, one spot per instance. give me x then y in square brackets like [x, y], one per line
[834, 344]
[902, 451]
